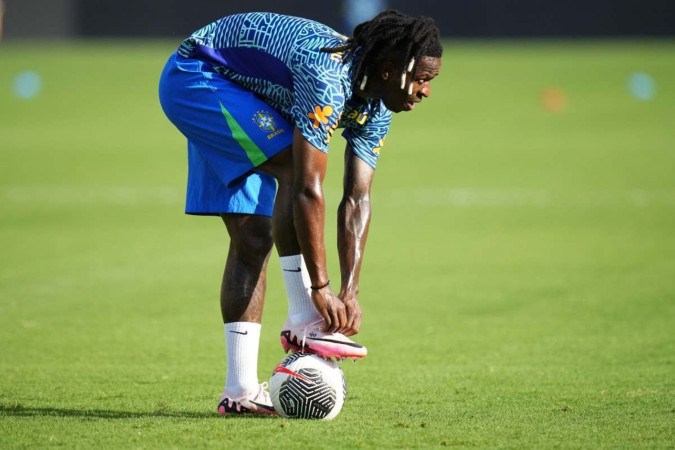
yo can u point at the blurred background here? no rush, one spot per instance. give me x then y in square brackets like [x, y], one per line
[464, 18]
[523, 229]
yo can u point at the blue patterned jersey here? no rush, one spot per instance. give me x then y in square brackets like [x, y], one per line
[280, 59]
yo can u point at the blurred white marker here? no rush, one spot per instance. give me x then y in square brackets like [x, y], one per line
[27, 85]
[641, 86]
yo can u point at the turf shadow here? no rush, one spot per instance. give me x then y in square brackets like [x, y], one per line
[21, 411]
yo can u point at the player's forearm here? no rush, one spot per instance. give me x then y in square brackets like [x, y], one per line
[309, 169]
[309, 218]
[353, 223]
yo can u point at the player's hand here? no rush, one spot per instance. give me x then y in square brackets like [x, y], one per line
[331, 308]
[353, 312]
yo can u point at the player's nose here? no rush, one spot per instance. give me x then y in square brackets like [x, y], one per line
[425, 90]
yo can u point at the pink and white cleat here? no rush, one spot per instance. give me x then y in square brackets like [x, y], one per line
[310, 338]
[255, 403]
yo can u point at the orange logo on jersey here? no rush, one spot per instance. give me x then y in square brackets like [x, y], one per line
[320, 115]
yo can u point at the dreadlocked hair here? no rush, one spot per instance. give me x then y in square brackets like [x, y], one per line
[390, 34]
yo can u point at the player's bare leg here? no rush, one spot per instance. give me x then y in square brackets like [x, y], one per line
[242, 298]
[303, 329]
[242, 293]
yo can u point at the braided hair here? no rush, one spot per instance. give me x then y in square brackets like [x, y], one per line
[387, 34]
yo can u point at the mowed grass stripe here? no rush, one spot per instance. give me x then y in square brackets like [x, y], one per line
[429, 196]
[517, 289]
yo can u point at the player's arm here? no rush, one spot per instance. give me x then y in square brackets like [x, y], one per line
[309, 170]
[353, 222]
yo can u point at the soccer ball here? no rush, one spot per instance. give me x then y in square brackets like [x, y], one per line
[306, 386]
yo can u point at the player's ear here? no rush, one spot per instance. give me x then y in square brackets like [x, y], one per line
[387, 70]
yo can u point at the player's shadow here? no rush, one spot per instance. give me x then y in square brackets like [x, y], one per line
[21, 411]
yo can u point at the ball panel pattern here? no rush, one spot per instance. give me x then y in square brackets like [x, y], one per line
[309, 398]
[307, 386]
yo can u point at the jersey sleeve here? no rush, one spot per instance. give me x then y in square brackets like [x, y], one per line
[319, 100]
[367, 140]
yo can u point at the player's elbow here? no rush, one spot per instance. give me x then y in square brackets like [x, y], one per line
[356, 200]
[308, 192]
[356, 194]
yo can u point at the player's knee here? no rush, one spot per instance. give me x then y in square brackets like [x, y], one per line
[250, 236]
[254, 246]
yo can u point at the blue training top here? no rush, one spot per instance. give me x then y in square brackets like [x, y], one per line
[280, 59]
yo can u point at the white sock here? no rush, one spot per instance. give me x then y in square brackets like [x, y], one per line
[296, 278]
[242, 340]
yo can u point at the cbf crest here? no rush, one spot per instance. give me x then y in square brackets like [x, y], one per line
[265, 121]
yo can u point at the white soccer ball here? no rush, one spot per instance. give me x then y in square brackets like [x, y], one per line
[306, 386]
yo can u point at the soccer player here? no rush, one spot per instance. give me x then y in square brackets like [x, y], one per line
[258, 97]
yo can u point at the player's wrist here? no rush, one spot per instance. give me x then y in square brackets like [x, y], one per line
[320, 286]
[349, 287]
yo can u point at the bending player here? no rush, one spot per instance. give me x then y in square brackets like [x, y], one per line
[259, 96]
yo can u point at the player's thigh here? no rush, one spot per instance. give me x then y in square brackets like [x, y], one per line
[232, 128]
[231, 133]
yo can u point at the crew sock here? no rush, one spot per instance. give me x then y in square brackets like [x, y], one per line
[297, 282]
[242, 340]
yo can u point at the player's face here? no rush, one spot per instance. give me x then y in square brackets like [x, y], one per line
[397, 99]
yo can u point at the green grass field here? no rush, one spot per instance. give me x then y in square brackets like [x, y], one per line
[518, 287]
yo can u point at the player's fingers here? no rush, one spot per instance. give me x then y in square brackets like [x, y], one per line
[333, 324]
[353, 312]
[328, 321]
[342, 316]
[331, 310]
[347, 329]
[335, 320]
[357, 323]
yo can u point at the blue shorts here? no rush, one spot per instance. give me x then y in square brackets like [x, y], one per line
[230, 132]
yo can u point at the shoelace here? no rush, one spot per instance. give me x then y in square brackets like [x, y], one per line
[264, 393]
[318, 324]
[308, 326]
